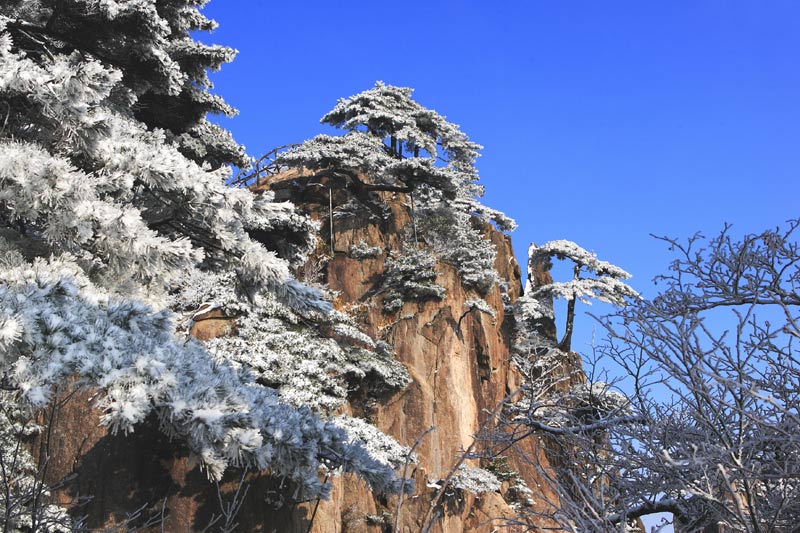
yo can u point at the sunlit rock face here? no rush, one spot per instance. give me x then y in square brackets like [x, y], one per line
[457, 355]
[455, 350]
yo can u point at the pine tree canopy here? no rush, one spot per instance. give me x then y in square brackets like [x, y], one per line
[112, 196]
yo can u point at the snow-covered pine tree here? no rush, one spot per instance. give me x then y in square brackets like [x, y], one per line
[164, 70]
[111, 191]
[552, 376]
[404, 147]
[591, 279]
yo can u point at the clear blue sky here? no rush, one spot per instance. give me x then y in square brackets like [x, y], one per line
[603, 122]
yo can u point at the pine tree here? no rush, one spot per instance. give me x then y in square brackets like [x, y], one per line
[164, 70]
[591, 279]
[111, 193]
[404, 147]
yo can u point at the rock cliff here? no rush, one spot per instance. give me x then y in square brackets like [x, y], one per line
[456, 352]
[457, 355]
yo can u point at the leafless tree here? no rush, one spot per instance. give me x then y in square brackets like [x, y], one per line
[710, 429]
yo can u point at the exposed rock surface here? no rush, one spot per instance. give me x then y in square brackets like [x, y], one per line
[458, 359]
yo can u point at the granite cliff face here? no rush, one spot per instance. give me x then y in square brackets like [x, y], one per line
[456, 353]
[458, 357]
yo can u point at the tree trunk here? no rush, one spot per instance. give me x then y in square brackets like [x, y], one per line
[566, 341]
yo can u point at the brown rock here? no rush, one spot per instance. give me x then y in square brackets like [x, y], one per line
[212, 324]
[459, 362]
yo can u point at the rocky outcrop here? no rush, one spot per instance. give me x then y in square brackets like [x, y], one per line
[456, 353]
[457, 356]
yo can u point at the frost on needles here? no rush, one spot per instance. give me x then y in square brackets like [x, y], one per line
[314, 360]
[111, 200]
[64, 325]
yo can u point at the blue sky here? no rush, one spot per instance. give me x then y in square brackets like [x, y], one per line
[603, 122]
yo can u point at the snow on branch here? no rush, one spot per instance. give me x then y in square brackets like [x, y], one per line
[563, 249]
[380, 446]
[63, 325]
[605, 289]
[352, 151]
[603, 284]
[475, 480]
[481, 305]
